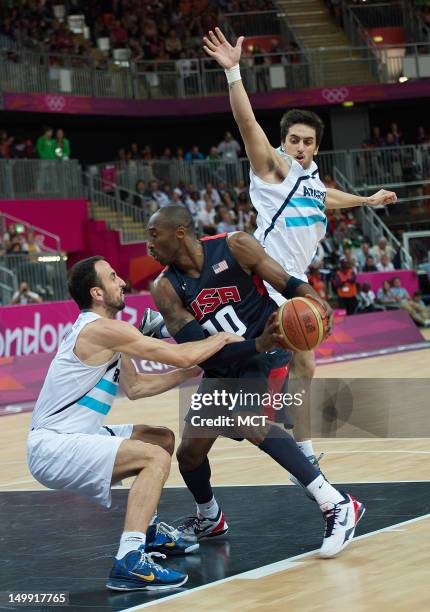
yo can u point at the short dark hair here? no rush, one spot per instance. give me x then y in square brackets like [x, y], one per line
[82, 278]
[176, 215]
[309, 118]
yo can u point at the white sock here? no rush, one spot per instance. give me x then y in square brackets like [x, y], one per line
[130, 540]
[208, 510]
[306, 448]
[324, 492]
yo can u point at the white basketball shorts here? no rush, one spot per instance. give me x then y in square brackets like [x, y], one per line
[77, 462]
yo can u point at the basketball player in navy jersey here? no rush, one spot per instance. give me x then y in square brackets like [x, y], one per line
[215, 284]
[289, 197]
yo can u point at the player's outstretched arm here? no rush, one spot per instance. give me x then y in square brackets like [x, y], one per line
[119, 336]
[258, 149]
[254, 260]
[138, 385]
[340, 199]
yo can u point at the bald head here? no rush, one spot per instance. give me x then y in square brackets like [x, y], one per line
[170, 232]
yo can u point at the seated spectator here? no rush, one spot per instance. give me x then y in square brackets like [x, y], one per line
[384, 265]
[194, 203]
[31, 244]
[369, 266]
[385, 295]
[382, 248]
[25, 296]
[329, 182]
[194, 154]
[155, 194]
[225, 221]
[366, 299]
[240, 188]
[341, 233]
[5, 144]
[344, 283]
[362, 254]
[206, 217]
[418, 312]
[212, 193]
[317, 281]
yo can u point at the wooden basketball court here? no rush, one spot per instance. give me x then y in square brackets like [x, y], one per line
[388, 567]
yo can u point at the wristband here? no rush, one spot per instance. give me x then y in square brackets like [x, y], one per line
[233, 74]
[291, 286]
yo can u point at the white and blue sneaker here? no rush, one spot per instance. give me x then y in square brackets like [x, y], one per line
[341, 520]
[137, 571]
[163, 538]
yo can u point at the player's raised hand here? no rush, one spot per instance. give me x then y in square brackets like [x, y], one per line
[382, 197]
[217, 46]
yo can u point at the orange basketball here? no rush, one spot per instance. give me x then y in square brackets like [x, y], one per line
[302, 324]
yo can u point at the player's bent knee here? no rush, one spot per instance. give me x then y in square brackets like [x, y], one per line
[168, 440]
[189, 459]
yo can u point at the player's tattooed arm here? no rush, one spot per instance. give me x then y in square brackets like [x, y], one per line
[175, 315]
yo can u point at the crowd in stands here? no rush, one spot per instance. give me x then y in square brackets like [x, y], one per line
[159, 29]
[48, 145]
[19, 240]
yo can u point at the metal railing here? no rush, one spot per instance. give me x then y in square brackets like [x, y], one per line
[116, 205]
[379, 14]
[197, 173]
[45, 274]
[8, 285]
[372, 225]
[36, 179]
[46, 241]
[201, 77]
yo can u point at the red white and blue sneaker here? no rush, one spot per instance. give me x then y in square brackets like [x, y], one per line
[341, 520]
[200, 527]
[163, 538]
[137, 571]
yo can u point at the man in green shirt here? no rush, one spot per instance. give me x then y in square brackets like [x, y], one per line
[45, 145]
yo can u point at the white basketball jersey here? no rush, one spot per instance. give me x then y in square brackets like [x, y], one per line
[291, 216]
[76, 397]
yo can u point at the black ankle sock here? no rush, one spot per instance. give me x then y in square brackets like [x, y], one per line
[284, 450]
[198, 482]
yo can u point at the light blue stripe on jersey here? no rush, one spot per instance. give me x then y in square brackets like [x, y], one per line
[305, 202]
[93, 404]
[304, 221]
[107, 386]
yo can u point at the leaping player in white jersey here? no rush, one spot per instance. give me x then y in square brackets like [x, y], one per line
[290, 200]
[68, 446]
[288, 195]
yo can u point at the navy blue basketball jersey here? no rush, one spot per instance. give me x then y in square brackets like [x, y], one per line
[224, 297]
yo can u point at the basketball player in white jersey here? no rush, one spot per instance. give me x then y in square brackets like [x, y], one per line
[288, 195]
[68, 448]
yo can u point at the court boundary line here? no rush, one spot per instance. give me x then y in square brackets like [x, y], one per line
[269, 569]
[258, 484]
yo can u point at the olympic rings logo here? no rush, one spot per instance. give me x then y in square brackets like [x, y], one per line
[335, 94]
[55, 103]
